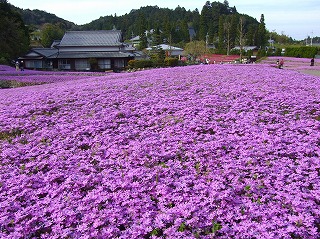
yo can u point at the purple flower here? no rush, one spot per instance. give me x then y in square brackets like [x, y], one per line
[224, 151]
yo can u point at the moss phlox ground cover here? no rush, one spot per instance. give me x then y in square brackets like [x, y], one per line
[208, 151]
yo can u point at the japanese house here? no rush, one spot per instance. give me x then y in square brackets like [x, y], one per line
[81, 51]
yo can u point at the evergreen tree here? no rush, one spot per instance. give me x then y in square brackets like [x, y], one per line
[181, 32]
[221, 34]
[142, 28]
[184, 29]
[251, 35]
[14, 36]
[167, 29]
[143, 41]
[227, 30]
[142, 24]
[205, 19]
[241, 35]
[262, 33]
[218, 9]
[195, 23]
[156, 37]
[234, 25]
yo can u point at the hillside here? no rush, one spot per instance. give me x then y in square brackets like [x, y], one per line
[174, 25]
[38, 18]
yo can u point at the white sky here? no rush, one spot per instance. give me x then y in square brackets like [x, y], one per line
[295, 18]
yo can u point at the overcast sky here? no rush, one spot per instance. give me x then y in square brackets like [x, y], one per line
[295, 18]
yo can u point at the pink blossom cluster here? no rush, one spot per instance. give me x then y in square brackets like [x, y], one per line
[294, 63]
[207, 151]
[8, 73]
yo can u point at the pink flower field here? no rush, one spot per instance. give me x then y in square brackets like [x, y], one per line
[297, 64]
[206, 151]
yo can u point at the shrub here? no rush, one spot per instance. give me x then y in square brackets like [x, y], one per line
[170, 61]
[3, 61]
[278, 52]
[135, 64]
[131, 64]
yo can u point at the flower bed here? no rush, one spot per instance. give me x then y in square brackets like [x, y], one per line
[10, 78]
[293, 63]
[207, 151]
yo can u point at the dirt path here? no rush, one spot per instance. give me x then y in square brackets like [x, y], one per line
[311, 72]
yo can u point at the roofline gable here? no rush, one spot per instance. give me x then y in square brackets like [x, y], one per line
[91, 38]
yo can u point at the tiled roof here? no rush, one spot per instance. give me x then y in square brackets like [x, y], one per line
[91, 38]
[47, 52]
[41, 53]
[166, 48]
[136, 38]
[246, 48]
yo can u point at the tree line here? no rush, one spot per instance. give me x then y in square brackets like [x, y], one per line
[14, 35]
[216, 24]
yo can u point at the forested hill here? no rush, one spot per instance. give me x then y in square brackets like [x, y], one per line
[216, 23]
[168, 21]
[174, 24]
[37, 18]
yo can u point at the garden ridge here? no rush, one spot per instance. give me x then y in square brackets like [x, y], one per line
[224, 151]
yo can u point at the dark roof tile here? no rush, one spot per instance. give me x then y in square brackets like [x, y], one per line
[91, 38]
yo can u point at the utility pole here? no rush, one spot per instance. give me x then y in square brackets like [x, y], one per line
[241, 35]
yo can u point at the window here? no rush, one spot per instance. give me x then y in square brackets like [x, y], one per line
[82, 64]
[119, 63]
[104, 63]
[33, 64]
[64, 64]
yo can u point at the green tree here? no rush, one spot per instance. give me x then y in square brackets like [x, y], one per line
[143, 41]
[205, 19]
[233, 29]
[142, 24]
[14, 35]
[156, 37]
[196, 49]
[221, 33]
[241, 35]
[227, 30]
[262, 33]
[181, 32]
[50, 33]
[157, 55]
[251, 35]
[167, 28]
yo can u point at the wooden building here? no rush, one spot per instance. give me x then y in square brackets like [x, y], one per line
[82, 51]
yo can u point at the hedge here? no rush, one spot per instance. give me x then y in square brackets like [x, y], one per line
[135, 64]
[169, 61]
[302, 52]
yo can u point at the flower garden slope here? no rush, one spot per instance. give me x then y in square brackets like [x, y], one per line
[12, 77]
[223, 151]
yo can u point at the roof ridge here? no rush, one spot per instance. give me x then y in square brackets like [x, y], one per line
[95, 31]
